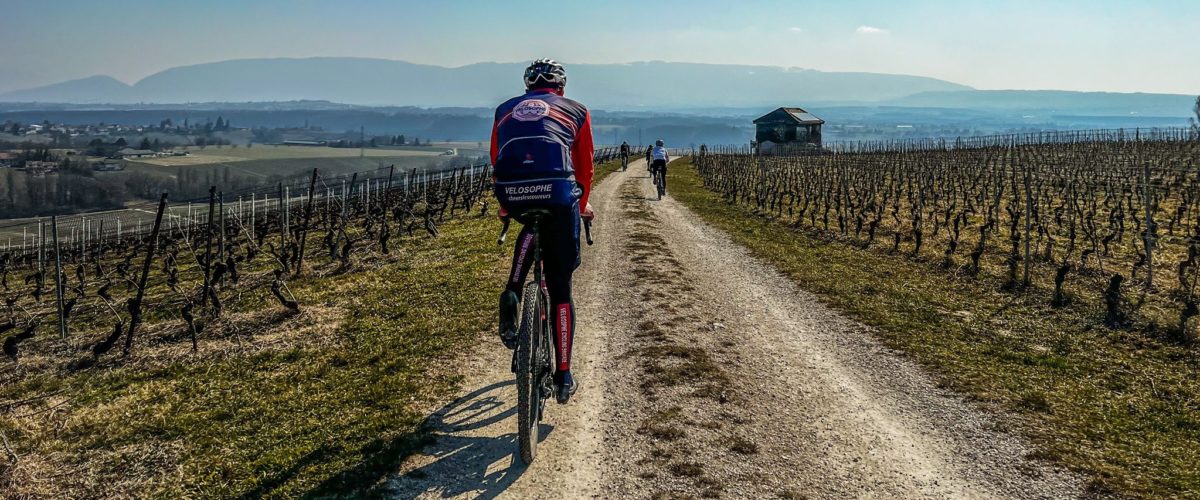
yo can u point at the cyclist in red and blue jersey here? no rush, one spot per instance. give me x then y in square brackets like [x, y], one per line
[542, 155]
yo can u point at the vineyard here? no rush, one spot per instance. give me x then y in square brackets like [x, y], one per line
[204, 249]
[134, 292]
[190, 262]
[1109, 219]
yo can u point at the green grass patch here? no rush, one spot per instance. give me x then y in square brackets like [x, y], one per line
[1120, 406]
[604, 170]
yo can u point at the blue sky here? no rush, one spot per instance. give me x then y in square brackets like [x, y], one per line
[1109, 45]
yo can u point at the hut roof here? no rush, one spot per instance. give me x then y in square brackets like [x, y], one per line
[801, 116]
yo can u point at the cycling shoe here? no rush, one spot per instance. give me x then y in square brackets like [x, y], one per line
[508, 318]
[564, 387]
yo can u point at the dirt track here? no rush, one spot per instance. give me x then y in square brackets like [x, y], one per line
[706, 373]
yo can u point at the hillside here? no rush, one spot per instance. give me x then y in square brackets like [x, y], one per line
[378, 81]
[1058, 101]
[91, 89]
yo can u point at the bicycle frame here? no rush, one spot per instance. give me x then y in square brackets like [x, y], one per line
[535, 357]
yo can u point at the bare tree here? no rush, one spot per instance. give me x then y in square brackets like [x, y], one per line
[1196, 109]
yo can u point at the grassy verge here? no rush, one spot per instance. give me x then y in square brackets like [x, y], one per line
[604, 170]
[1119, 406]
[315, 416]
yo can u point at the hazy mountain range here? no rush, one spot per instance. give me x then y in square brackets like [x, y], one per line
[633, 86]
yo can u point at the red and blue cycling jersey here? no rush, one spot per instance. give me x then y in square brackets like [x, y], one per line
[542, 151]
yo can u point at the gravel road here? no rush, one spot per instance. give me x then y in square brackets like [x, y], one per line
[708, 374]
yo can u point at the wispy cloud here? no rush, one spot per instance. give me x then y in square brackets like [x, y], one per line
[796, 29]
[870, 30]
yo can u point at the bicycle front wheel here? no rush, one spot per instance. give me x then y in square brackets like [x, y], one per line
[529, 373]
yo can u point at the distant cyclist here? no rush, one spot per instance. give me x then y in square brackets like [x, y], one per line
[624, 155]
[659, 160]
[542, 153]
[649, 149]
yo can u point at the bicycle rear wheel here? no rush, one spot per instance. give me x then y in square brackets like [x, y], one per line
[529, 373]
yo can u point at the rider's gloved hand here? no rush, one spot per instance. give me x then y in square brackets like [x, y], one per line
[588, 213]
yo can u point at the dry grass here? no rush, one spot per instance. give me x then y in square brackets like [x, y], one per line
[320, 402]
[739, 444]
[687, 469]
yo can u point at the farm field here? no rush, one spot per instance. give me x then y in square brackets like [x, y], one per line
[227, 154]
[242, 179]
[270, 168]
[259, 180]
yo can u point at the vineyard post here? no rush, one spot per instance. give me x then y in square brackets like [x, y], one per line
[212, 201]
[282, 222]
[58, 286]
[41, 241]
[135, 313]
[1149, 235]
[385, 200]
[221, 238]
[312, 187]
[1028, 223]
[345, 199]
[287, 208]
[388, 189]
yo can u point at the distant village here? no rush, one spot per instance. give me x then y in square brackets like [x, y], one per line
[43, 148]
[38, 149]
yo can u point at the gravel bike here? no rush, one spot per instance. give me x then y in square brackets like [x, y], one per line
[535, 356]
[659, 177]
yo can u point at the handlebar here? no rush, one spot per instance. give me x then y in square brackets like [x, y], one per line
[587, 231]
[504, 231]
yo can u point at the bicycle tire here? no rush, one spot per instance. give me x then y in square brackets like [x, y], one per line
[528, 376]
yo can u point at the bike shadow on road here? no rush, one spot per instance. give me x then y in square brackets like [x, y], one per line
[474, 452]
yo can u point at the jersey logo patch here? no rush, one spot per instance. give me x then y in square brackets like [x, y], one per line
[531, 110]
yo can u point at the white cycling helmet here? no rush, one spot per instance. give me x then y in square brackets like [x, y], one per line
[547, 71]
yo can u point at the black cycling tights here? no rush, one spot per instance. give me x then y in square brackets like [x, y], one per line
[560, 257]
